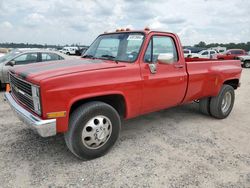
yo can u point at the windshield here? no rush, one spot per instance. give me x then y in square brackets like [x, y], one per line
[117, 47]
[9, 56]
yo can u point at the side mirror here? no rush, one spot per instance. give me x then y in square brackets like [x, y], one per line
[166, 58]
[11, 63]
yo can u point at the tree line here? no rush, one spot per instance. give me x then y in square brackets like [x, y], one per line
[244, 46]
[27, 45]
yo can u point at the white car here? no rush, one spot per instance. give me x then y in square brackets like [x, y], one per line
[69, 50]
[209, 54]
[187, 53]
[245, 61]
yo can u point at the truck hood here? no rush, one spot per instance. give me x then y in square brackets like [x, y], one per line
[40, 71]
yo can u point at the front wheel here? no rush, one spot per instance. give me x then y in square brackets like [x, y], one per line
[247, 64]
[93, 129]
[222, 105]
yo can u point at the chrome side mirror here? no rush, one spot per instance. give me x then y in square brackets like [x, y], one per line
[166, 58]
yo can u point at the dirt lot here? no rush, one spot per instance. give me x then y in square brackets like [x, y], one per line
[177, 147]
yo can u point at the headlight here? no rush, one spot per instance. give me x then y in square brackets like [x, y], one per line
[36, 99]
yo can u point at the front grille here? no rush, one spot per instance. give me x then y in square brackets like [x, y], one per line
[22, 91]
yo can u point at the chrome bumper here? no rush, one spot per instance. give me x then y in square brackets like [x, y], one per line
[44, 128]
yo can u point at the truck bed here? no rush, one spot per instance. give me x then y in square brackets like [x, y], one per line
[206, 76]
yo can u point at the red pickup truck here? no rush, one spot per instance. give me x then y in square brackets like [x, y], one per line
[122, 75]
[232, 54]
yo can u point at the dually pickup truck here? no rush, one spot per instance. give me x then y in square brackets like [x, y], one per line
[122, 75]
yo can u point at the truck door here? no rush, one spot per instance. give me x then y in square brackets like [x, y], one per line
[167, 86]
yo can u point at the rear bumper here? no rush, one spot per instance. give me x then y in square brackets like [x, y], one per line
[44, 128]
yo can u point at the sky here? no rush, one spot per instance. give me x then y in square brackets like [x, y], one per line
[81, 21]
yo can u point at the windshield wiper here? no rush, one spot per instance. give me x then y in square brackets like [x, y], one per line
[110, 57]
[88, 56]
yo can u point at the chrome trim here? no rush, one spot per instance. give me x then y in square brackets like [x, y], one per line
[13, 74]
[44, 128]
[30, 97]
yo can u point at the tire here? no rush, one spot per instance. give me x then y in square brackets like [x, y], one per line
[204, 106]
[222, 105]
[67, 53]
[246, 64]
[88, 136]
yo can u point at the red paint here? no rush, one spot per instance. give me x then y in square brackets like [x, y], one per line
[143, 92]
[232, 54]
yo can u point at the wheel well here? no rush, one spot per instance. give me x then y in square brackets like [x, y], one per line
[116, 101]
[234, 83]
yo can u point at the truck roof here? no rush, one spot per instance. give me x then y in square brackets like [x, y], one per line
[145, 31]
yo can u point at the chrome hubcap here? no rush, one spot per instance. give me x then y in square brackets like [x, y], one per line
[226, 102]
[96, 132]
[247, 65]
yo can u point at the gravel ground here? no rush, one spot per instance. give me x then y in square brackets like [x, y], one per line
[177, 147]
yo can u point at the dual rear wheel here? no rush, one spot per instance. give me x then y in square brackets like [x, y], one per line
[219, 106]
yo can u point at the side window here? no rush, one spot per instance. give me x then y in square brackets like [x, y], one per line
[205, 53]
[50, 57]
[233, 52]
[212, 52]
[26, 59]
[160, 45]
[239, 52]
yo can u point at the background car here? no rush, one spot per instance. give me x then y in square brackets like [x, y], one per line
[209, 54]
[70, 50]
[187, 53]
[231, 54]
[81, 51]
[23, 57]
[245, 61]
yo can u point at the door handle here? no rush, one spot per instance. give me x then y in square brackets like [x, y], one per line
[179, 66]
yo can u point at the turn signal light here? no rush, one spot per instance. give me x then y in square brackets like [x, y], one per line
[56, 114]
[7, 87]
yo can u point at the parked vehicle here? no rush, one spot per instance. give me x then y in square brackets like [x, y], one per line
[210, 54]
[219, 49]
[17, 58]
[187, 53]
[70, 50]
[245, 61]
[122, 75]
[231, 54]
[81, 51]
